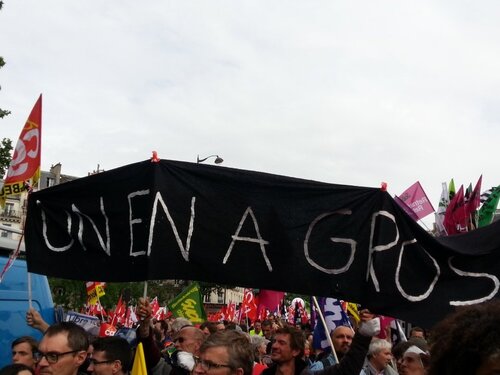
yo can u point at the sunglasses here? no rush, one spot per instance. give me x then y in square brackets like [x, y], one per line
[180, 340]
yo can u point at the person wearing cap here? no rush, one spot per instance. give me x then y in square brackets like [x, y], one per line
[413, 361]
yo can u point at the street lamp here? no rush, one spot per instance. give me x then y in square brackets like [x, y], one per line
[217, 160]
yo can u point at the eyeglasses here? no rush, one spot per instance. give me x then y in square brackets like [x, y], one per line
[94, 362]
[51, 357]
[209, 365]
[179, 339]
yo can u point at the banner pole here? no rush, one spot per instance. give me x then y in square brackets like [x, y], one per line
[320, 313]
[30, 299]
[145, 293]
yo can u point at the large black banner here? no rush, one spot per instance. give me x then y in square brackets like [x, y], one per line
[177, 220]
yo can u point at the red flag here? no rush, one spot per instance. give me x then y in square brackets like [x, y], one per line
[455, 218]
[474, 199]
[161, 314]
[24, 169]
[107, 329]
[231, 311]
[262, 315]
[119, 314]
[96, 310]
[223, 312]
[155, 306]
[248, 305]
[270, 299]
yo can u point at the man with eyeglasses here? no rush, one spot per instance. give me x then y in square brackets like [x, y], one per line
[224, 353]
[112, 355]
[63, 349]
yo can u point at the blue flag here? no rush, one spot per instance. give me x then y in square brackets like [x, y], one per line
[334, 317]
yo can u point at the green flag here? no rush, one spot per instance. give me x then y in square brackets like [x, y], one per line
[489, 207]
[451, 186]
[189, 305]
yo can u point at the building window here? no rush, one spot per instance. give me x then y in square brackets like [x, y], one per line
[50, 181]
[220, 297]
[4, 233]
[9, 209]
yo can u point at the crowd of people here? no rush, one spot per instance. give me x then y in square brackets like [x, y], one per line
[466, 342]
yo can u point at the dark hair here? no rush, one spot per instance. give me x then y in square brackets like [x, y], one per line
[15, 369]
[297, 338]
[464, 340]
[266, 323]
[115, 348]
[211, 326]
[28, 339]
[78, 339]
[417, 329]
[238, 348]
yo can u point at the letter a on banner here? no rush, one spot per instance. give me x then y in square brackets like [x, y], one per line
[24, 169]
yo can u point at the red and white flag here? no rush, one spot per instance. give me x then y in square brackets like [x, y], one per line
[231, 312]
[119, 314]
[155, 306]
[248, 305]
[24, 169]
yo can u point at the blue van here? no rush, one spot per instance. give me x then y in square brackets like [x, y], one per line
[14, 304]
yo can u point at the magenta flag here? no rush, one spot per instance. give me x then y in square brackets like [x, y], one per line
[455, 218]
[270, 299]
[474, 199]
[415, 198]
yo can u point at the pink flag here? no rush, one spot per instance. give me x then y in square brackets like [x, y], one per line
[270, 299]
[474, 199]
[415, 198]
[455, 218]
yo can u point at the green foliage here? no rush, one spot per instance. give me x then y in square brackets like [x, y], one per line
[5, 155]
[72, 295]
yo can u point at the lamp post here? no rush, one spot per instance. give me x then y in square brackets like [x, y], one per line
[217, 160]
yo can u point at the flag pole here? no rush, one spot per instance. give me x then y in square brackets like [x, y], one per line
[145, 293]
[426, 227]
[99, 302]
[320, 313]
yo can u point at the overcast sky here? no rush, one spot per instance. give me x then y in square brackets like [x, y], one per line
[348, 92]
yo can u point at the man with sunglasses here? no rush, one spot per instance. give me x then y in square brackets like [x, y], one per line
[112, 355]
[63, 349]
